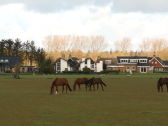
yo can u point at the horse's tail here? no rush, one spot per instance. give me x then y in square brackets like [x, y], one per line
[74, 86]
[69, 87]
[159, 84]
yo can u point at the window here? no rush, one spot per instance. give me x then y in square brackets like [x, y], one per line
[155, 62]
[143, 70]
[143, 61]
[124, 60]
[107, 61]
[6, 61]
[133, 60]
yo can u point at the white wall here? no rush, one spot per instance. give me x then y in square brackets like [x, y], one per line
[64, 65]
[99, 66]
[82, 65]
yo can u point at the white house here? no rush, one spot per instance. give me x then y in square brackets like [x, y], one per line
[89, 63]
[99, 66]
[74, 64]
[61, 65]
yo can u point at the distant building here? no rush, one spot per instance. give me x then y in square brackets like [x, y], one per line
[158, 64]
[139, 64]
[7, 63]
[134, 64]
[28, 69]
[74, 64]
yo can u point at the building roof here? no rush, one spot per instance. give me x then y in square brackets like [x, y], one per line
[113, 60]
[131, 57]
[59, 59]
[11, 61]
[85, 60]
[143, 64]
[165, 62]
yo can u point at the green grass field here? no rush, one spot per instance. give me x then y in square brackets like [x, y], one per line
[72, 76]
[125, 102]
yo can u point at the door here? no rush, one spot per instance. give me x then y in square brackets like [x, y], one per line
[143, 70]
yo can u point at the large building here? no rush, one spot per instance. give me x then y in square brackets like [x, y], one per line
[7, 63]
[73, 64]
[139, 64]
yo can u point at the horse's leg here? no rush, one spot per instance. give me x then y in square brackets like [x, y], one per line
[86, 87]
[158, 87]
[62, 89]
[79, 86]
[162, 88]
[56, 90]
[101, 86]
[52, 89]
[90, 87]
[97, 86]
[94, 87]
[66, 89]
[167, 87]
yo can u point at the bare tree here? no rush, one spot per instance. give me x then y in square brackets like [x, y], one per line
[74, 43]
[123, 45]
[145, 45]
[97, 43]
[158, 45]
[57, 43]
[80, 43]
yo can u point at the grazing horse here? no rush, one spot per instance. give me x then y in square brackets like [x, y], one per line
[96, 81]
[80, 81]
[161, 82]
[60, 82]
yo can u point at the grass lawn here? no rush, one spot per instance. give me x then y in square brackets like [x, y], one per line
[72, 76]
[125, 102]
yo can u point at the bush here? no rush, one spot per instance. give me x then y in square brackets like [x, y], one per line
[87, 70]
[110, 72]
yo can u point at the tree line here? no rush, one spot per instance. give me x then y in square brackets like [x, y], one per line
[97, 46]
[29, 53]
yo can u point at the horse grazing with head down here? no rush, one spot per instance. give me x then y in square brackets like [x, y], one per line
[96, 81]
[60, 82]
[80, 81]
[161, 82]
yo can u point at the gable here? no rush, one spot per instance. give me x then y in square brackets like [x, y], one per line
[155, 62]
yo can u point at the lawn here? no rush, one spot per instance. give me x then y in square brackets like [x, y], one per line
[72, 76]
[125, 102]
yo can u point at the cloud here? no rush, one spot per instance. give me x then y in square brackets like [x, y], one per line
[50, 6]
[47, 6]
[147, 6]
[86, 20]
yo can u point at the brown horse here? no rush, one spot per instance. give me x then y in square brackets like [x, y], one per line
[80, 81]
[60, 82]
[161, 82]
[96, 81]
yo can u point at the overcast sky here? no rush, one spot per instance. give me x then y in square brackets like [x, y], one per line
[114, 19]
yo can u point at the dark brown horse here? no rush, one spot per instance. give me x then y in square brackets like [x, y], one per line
[161, 82]
[60, 82]
[80, 81]
[96, 81]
